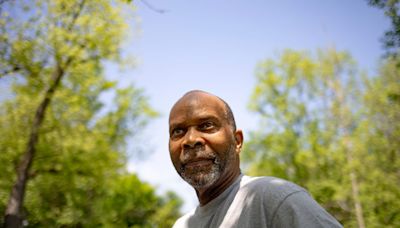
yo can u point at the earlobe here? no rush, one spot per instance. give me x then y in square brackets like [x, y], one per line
[239, 140]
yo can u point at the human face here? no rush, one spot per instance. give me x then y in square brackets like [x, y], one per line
[202, 144]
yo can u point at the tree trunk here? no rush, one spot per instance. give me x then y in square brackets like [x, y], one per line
[344, 125]
[13, 217]
[355, 192]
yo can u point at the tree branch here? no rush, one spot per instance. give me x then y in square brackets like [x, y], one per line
[13, 216]
[15, 69]
[150, 6]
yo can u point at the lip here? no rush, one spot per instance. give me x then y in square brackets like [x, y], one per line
[198, 162]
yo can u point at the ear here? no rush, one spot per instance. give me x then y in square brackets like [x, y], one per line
[239, 140]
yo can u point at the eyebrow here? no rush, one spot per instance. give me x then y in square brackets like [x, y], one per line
[200, 119]
[174, 126]
[211, 117]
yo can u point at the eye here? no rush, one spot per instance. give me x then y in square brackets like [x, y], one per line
[176, 132]
[207, 126]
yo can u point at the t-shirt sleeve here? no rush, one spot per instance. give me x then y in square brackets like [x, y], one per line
[298, 209]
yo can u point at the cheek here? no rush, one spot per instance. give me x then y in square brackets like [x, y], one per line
[174, 153]
[222, 143]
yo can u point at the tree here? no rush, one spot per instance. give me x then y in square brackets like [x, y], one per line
[316, 131]
[391, 38]
[168, 211]
[382, 102]
[138, 205]
[56, 131]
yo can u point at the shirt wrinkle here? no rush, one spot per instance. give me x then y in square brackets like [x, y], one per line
[211, 206]
[259, 202]
[280, 204]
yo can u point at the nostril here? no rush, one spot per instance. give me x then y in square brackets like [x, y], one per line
[192, 139]
[195, 145]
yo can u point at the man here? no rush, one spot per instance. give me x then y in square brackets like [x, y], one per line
[204, 146]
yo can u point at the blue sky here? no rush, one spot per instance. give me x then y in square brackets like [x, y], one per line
[216, 45]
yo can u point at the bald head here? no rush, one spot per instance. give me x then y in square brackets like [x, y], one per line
[195, 95]
[204, 144]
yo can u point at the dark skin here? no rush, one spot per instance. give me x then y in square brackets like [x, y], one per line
[201, 139]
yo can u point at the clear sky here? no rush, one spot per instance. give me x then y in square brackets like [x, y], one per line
[215, 46]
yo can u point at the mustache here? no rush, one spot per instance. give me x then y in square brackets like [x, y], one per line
[199, 155]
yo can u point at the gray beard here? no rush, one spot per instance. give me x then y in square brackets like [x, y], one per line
[205, 178]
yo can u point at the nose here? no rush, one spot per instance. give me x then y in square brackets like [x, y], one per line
[192, 139]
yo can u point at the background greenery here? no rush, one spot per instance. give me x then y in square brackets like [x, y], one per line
[78, 175]
[333, 130]
[331, 127]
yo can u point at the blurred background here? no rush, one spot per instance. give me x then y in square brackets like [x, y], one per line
[86, 88]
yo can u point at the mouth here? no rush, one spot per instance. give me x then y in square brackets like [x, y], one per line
[200, 162]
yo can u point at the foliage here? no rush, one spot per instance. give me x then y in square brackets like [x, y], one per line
[78, 175]
[382, 101]
[168, 212]
[331, 129]
[137, 205]
[391, 39]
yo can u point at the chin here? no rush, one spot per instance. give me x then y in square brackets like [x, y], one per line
[202, 179]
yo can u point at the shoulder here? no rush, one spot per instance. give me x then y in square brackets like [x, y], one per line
[183, 221]
[267, 193]
[273, 188]
[287, 204]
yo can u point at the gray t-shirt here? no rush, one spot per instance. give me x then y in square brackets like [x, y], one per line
[259, 202]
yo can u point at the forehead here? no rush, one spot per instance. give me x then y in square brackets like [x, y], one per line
[197, 106]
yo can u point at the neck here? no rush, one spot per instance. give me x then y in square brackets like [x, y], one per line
[205, 195]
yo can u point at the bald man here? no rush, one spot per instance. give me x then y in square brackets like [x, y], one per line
[204, 146]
